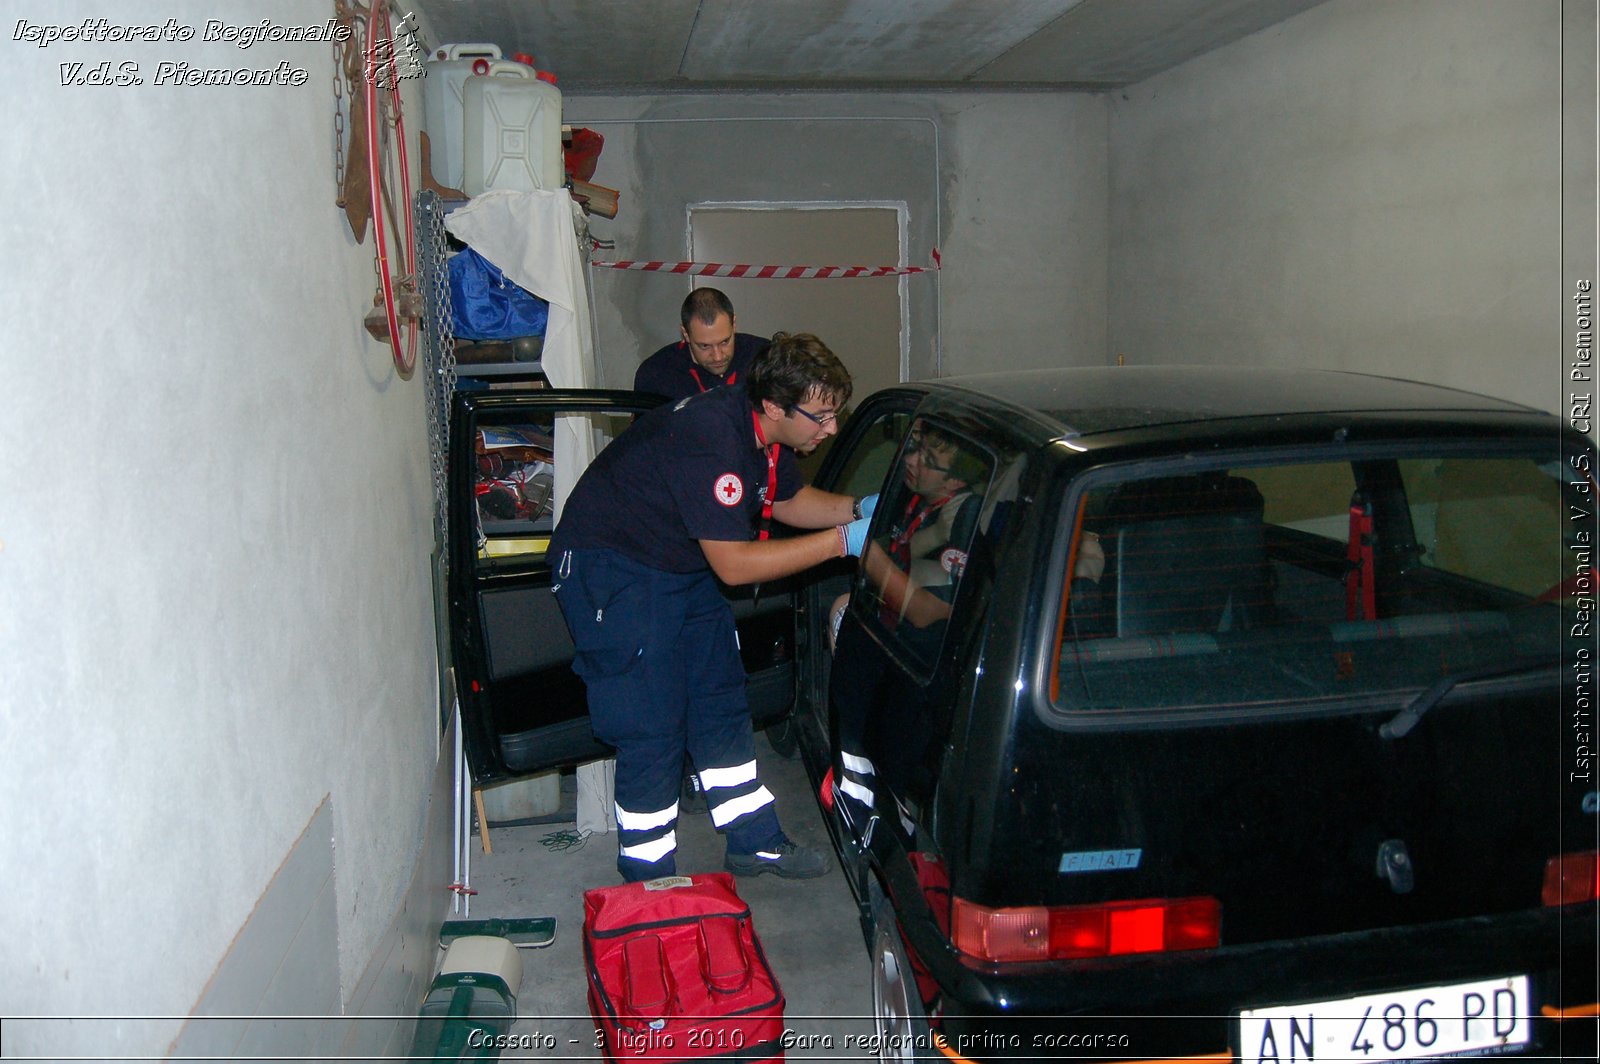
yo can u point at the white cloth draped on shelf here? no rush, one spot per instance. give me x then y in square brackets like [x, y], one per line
[530, 236]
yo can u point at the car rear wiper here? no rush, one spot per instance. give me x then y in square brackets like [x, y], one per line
[1402, 722]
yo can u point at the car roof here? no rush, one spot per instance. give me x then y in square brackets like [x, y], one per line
[1083, 401]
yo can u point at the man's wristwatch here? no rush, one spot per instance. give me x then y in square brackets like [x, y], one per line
[855, 509]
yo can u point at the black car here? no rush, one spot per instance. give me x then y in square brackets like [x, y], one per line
[523, 709]
[1172, 712]
[1232, 713]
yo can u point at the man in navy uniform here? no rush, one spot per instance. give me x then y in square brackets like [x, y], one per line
[709, 353]
[681, 500]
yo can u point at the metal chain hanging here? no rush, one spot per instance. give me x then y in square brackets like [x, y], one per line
[338, 115]
[351, 189]
[438, 347]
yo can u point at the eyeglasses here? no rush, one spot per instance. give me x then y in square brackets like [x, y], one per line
[925, 454]
[822, 421]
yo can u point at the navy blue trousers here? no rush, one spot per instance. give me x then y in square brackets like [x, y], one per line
[660, 658]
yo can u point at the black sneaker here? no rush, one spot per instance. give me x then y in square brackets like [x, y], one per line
[787, 860]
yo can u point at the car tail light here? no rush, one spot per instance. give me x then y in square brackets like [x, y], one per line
[1571, 878]
[1065, 932]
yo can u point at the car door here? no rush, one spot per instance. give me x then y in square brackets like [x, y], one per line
[857, 464]
[894, 685]
[878, 680]
[523, 709]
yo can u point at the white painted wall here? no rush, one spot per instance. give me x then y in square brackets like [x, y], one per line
[214, 530]
[1026, 284]
[1371, 185]
[1010, 187]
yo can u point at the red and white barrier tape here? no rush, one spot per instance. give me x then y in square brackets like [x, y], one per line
[786, 273]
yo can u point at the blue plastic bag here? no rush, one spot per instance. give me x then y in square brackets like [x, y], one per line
[486, 306]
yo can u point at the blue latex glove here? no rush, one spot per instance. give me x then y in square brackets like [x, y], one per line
[869, 503]
[855, 536]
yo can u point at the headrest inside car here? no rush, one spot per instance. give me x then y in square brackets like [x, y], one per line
[1185, 554]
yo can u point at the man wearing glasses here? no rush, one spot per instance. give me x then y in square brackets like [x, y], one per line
[681, 500]
[708, 354]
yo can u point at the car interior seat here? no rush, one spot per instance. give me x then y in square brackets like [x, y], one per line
[1186, 554]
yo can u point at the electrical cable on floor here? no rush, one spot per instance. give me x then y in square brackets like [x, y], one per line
[564, 840]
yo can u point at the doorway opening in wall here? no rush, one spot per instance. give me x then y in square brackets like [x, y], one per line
[863, 319]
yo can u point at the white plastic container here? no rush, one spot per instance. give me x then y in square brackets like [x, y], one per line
[443, 112]
[512, 135]
[487, 954]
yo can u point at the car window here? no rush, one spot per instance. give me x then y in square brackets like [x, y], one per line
[514, 486]
[1313, 497]
[1489, 520]
[926, 520]
[871, 455]
[1280, 584]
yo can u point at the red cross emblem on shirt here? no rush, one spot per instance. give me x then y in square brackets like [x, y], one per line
[729, 489]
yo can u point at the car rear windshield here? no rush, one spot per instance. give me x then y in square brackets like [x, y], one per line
[1267, 585]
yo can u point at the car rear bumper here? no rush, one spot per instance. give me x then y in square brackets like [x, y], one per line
[1187, 1005]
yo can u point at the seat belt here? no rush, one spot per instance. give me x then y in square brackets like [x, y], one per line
[1360, 591]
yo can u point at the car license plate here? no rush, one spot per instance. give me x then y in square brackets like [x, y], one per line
[1403, 1025]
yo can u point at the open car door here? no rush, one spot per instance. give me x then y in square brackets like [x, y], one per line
[523, 709]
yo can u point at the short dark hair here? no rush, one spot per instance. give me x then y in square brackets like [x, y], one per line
[964, 465]
[705, 305]
[796, 367]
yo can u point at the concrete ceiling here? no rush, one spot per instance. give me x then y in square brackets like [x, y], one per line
[663, 46]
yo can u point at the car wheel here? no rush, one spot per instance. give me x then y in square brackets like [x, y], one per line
[903, 1032]
[784, 737]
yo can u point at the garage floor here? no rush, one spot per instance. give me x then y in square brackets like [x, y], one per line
[808, 928]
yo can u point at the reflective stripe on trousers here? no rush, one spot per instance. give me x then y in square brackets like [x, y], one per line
[659, 657]
[647, 837]
[733, 793]
[859, 777]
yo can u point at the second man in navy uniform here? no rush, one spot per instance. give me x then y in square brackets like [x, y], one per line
[709, 353]
[681, 500]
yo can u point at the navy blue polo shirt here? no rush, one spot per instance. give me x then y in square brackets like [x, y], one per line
[672, 371]
[681, 473]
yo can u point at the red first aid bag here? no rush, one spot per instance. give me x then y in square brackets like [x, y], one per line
[676, 973]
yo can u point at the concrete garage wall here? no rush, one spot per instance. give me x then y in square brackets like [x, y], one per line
[1371, 185]
[1010, 187]
[215, 602]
